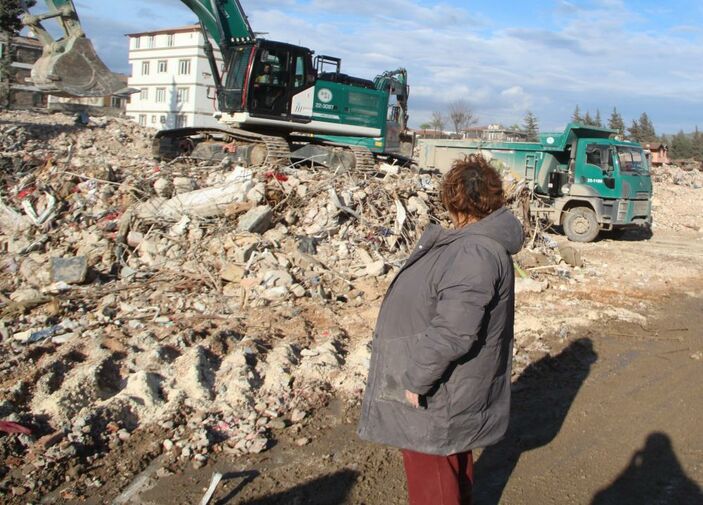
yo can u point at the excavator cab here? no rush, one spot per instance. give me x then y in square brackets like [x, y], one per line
[262, 79]
[69, 66]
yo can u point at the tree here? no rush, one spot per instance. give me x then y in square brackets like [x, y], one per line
[531, 127]
[597, 121]
[425, 126]
[647, 132]
[576, 116]
[681, 146]
[461, 115]
[616, 123]
[437, 122]
[587, 119]
[697, 144]
[10, 25]
[634, 132]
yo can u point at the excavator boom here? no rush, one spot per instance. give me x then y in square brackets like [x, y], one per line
[70, 66]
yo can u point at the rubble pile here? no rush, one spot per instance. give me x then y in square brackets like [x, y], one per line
[685, 173]
[182, 309]
[139, 295]
[677, 203]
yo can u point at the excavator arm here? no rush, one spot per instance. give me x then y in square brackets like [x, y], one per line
[69, 65]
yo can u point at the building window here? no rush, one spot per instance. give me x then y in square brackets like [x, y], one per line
[163, 119]
[163, 66]
[153, 119]
[160, 95]
[144, 94]
[169, 40]
[181, 121]
[183, 67]
[145, 68]
[116, 102]
[137, 42]
[182, 95]
[142, 119]
[150, 42]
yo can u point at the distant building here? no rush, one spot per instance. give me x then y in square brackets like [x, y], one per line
[659, 153]
[494, 133]
[23, 94]
[172, 73]
[102, 105]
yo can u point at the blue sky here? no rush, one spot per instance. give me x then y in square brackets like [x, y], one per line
[503, 57]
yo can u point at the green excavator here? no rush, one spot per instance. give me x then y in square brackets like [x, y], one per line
[275, 98]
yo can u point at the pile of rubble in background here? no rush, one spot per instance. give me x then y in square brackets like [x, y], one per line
[674, 205]
[688, 173]
[180, 309]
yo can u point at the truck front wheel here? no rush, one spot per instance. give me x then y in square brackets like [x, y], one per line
[581, 224]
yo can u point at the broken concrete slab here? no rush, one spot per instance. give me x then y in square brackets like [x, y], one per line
[69, 270]
[257, 220]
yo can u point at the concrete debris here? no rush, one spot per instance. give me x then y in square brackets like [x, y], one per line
[202, 305]
[256, 220]
[69, 270]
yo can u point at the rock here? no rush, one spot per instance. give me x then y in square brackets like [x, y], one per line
[376, 269]
[275, 293]
[418, 206]
[232, 273]
[257, 220]
[530, 286]
[389, 169]
[19, 490]
[277, 424]
[26, 296]
[273, 278]
[302, 441]
[258, 445]
[183, 185]
[167, 444]
[69, 270]
[298, 290]
[571, 256]
[257, 194]
[135, 238]
[163, 187]
[297, 415]
[35, 274]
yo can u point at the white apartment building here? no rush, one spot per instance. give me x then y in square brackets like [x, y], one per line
[172, 73]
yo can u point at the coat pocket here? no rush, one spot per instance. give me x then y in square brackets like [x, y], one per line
[394, 354]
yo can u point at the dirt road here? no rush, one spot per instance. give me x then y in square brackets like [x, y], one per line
[610, 416]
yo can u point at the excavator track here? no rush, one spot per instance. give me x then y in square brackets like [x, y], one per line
[169, 144]
[277, 149]
[364, 158]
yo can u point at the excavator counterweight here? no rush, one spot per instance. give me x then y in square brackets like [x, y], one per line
[69, 66]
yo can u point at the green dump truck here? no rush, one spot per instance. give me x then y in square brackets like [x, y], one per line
[582, 179]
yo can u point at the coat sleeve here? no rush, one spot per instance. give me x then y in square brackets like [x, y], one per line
[466, 288]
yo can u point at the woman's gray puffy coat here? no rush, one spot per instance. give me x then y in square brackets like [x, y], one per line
[445, 331]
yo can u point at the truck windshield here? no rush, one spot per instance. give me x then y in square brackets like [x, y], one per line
[632, 159]
[236, 76]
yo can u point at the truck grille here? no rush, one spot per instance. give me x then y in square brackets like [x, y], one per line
[640, 208]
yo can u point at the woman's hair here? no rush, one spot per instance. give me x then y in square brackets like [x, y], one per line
[472, 187]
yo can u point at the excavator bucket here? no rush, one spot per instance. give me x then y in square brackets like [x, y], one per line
[69, 66]
[75, 71]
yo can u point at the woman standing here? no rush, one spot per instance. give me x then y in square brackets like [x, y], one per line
[439, 379]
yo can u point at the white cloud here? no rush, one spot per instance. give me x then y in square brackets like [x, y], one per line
[597, 53]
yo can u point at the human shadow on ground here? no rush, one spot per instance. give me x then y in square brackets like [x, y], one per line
[247, 477]
[654, 475]
[332, 489]
[541, 399]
